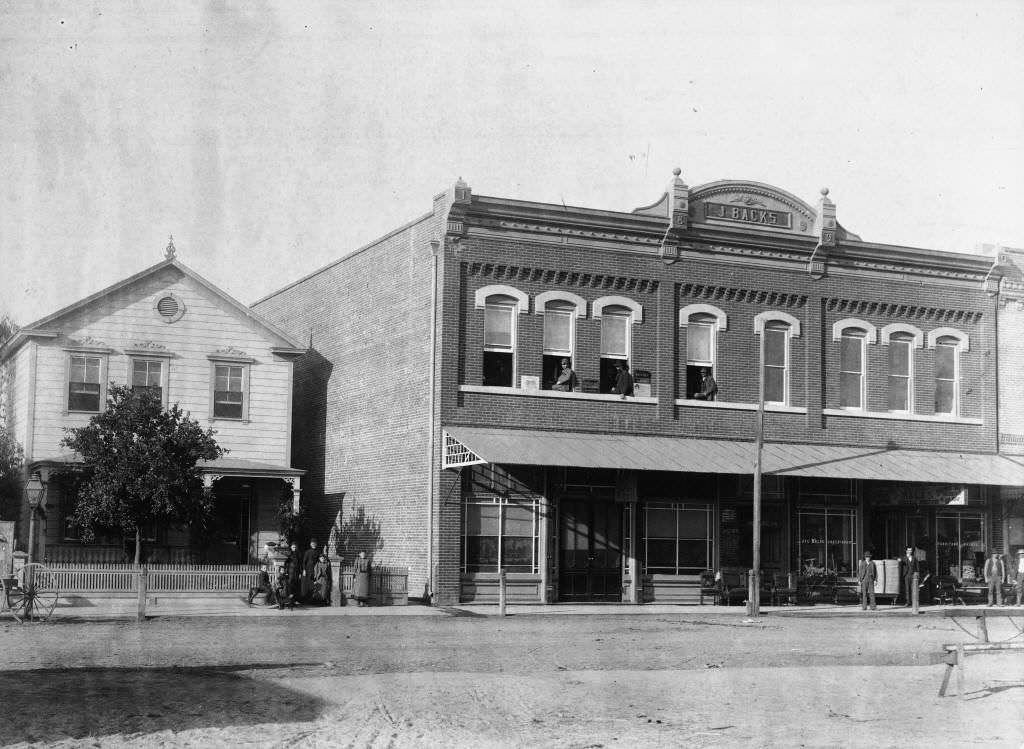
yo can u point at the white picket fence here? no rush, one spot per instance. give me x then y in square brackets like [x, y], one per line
[163, 578]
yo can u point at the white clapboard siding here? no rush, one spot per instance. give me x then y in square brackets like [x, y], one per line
[125, 318]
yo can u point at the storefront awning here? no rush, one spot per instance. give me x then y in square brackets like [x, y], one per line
[469, 445]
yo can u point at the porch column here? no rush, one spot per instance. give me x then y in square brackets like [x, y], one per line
[296, 484]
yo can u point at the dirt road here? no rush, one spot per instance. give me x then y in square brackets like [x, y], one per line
[524, 681]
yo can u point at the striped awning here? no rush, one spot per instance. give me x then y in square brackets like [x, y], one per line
[468, 445]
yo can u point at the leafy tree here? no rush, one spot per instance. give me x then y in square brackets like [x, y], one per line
[139, 466]
[7, 328]
[11, 459]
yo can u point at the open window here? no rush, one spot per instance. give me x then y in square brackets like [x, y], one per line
[702, 323]
[560, 310]
[501, 306]
[617, 316]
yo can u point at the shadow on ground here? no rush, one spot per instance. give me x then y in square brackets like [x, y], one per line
[84, 703]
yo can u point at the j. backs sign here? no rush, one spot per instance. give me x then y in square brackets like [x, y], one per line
[749, 212]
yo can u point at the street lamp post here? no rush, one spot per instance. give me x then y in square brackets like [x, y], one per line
[34, 492]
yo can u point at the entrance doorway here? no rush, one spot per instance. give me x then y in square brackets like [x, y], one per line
[229, 528]
[590, 553]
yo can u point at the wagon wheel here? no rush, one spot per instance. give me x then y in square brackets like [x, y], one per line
[14, 602]
[38, 595]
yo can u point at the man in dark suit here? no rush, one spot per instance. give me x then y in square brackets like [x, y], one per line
[866, 575]
[995, 572]
[908, 566]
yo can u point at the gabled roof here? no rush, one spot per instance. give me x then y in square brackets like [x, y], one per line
[44, 326]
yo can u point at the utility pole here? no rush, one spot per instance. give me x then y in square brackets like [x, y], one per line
[755, 593]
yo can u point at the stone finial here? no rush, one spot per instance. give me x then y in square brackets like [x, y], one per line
[169, 254]
[825, 222]
[679, 196]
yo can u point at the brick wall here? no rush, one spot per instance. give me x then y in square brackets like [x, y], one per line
[742, 292]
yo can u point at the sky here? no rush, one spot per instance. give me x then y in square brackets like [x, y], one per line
[273, 138]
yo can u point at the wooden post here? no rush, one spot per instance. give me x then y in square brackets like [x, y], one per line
[915, 594]
[143, 592]
[501, 593]
[982, 628]
[961, 657]
[755, 588]
[752, 608]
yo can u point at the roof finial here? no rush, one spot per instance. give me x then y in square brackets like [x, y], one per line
[170, 247]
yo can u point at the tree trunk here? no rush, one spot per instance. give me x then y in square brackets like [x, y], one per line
[138, 545]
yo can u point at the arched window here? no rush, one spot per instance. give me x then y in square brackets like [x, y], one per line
[702, 323]
[502, 305]
[617, 316]
[777, 329]
[948, 343]
[560, 310]
[853, 336]
[901, 368]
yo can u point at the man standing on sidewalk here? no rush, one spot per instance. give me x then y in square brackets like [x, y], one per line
[995, 573]
[866, 574]
[908, 566]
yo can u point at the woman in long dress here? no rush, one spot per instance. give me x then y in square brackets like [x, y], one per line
[361, 583]
[322, 581]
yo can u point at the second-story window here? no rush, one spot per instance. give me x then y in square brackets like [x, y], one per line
[615, 343]
[901, 372]
[229, 391]
[776, 362]
[147, 374]
[499, 341]
[851, 368]
[84, 383]
[947, 376]
[700, 352]
[559, 334]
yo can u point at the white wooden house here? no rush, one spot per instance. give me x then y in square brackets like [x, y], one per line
[167, 328]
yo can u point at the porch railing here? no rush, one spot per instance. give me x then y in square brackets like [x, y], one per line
[388, 585]
[163, 578]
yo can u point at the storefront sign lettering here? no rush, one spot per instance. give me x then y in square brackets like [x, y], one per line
[747, 214]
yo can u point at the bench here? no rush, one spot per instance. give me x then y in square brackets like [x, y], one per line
[955, 655]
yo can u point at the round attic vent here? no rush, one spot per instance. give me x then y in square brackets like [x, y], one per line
[170, 308]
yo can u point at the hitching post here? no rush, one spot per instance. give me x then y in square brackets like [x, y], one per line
[501, 593]
[143, 592]
[915, 594]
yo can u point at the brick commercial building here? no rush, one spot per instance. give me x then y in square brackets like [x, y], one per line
[437, 432]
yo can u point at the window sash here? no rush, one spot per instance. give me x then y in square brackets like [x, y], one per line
[499, 327]
[615, 335]
[677, 538]
[900, 376]
[84, 388]
[776, 365]
[558, 332]
[851, 371]
[700, 344]
[946, 379]
[228, 392]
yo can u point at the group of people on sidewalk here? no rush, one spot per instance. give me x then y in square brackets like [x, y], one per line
[307, 578]
[994, 574]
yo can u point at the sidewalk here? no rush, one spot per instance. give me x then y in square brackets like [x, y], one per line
[78, 607]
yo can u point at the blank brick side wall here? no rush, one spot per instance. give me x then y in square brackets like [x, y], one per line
[360, 418]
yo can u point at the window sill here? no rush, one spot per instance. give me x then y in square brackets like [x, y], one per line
[554, 394]
[931, 418]
[227, 418]
[768, 407]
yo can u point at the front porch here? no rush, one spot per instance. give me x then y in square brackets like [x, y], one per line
[247, 500]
